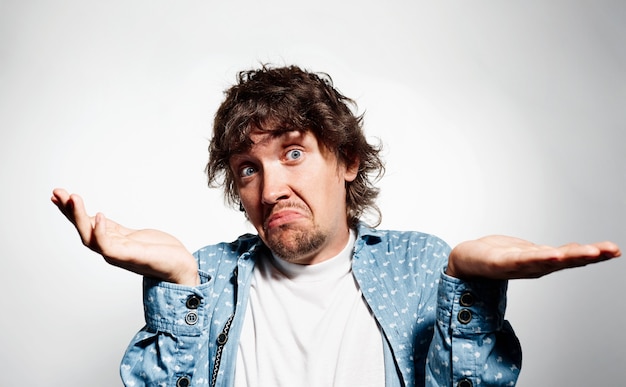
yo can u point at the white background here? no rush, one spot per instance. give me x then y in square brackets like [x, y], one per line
[496, 117]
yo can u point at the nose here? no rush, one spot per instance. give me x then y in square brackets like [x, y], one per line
[275, 186]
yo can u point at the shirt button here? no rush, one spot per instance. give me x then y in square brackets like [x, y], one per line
[191, 318]
[193, 302]
[467, 299]
[222, 338]
[183, 381]
[464, 383]
[464, 316]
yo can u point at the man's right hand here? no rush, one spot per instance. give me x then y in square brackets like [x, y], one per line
[151, 253]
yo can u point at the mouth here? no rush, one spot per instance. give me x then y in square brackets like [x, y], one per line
[283, 217]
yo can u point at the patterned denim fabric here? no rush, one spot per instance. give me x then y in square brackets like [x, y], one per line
[437, 330]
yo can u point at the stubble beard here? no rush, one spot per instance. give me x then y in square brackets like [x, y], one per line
[292, 244]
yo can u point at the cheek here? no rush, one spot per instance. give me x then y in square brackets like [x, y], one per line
[254, 216]
[251, 203]
[331, 191]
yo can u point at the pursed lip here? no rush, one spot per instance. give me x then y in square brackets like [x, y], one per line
[282, 217]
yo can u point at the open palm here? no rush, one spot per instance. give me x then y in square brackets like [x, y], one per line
[503, 257]
[150, 253]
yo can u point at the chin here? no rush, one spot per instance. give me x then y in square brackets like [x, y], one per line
[293, 243]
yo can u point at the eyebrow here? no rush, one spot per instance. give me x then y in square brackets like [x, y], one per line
[283, 134]
[278, 132]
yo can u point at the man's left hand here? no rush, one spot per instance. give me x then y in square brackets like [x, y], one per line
[503, 257]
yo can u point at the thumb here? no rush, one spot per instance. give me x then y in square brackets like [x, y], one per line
[99, 233]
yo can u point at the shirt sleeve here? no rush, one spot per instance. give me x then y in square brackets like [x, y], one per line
[473, 344]
[170, 349]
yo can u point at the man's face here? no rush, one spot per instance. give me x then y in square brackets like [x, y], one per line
[294, 193]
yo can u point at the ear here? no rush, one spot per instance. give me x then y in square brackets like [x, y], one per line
[352, 169]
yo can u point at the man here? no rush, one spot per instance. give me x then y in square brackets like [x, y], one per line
[317, 297]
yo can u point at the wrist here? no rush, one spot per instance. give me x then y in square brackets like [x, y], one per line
[192, 279]
[450, 271]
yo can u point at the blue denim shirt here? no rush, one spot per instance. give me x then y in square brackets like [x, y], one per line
[436, 330]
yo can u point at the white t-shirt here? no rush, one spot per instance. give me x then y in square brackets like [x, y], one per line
[308, 325]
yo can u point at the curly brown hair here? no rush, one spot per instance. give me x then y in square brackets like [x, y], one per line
[290, 98]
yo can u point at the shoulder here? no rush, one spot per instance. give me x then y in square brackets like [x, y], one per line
[410, 260]
[213, 257]
[396, 240]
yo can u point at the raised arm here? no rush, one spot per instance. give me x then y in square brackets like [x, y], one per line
[473, 343]
[151, 253]
[503, 257]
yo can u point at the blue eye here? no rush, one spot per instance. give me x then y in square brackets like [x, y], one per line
[247, 171]
[294, 154]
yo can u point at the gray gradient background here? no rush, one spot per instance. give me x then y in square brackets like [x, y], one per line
[496, 117]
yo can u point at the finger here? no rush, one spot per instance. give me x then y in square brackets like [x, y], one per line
[577, 260]
[84, 224]
[606, 249]
[60, 198]
[609, 249]
[99, 232]
[59, 195]
[113, 250]
[574, 250]
[536, 253]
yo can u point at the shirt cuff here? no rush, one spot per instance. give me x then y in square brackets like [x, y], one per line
[175, 309]
[471, 307]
